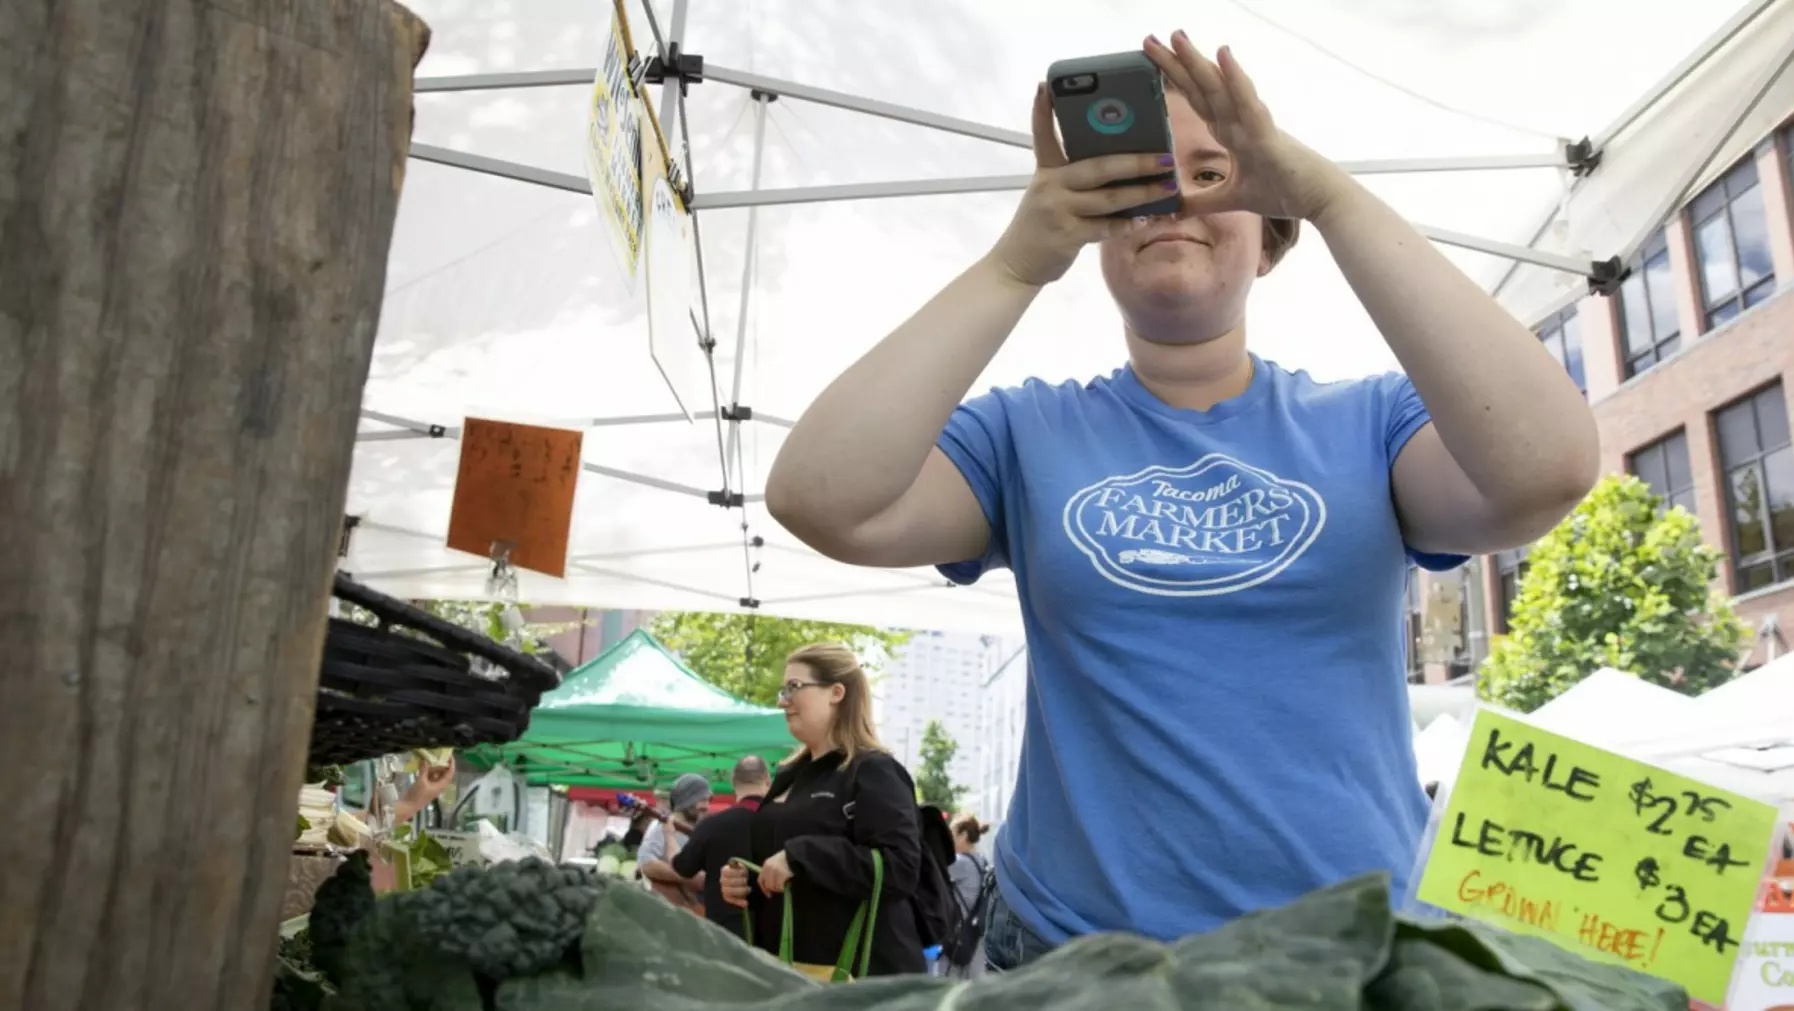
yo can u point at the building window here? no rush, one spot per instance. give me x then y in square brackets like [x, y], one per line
[1759, 488]
[1511, 567]
[1562, 336]
[1649, 331]
[1731, 243]
[1664, 466]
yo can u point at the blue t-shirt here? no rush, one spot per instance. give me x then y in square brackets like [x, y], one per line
[1217, 712]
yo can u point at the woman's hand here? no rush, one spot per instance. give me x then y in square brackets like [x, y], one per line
[1067, 206]
[1274, 175]
[430, 782]
[775, 874]
[734, 885]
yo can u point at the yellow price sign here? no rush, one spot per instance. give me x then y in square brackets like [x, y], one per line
[1606, 856]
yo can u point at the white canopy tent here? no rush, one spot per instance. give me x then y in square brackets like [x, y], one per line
[504, 302]
[1611, 707]
[1739, 735]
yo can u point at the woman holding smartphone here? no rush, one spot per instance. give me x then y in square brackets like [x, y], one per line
[1209, 550]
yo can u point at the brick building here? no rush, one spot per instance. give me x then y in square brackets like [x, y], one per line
[1688, 368]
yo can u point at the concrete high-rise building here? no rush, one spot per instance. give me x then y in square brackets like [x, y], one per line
[1001, 715]
[936, 676]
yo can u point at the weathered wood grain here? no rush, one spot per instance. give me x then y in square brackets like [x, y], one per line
[196, 200]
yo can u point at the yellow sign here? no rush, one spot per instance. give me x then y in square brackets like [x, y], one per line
[1607, 857]
[614, 145]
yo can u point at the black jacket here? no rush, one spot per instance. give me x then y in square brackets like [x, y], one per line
[827, 838]
[717, 839]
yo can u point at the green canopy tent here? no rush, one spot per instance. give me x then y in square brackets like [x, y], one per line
[636, 718]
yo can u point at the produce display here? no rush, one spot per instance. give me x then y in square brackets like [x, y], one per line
[529, 936]
[616, 861]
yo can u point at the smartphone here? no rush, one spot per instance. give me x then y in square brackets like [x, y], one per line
[1114, 104]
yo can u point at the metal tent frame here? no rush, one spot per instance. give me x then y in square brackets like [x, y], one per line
[676, 70]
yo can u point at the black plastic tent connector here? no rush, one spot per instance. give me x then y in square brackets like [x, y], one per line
[726, 499]
[1605, 276]
[1583, 157]
[686, 68]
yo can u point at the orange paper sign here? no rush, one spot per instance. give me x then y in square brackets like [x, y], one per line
[515, 487]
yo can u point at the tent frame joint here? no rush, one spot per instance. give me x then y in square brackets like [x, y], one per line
[1606, 276]
[751, 603]
[736, 412]
[1582, 157]
[350, 522]
[726, 499]
[677, 65]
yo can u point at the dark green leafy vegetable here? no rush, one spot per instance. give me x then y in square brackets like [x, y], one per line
[389, 967]
[1336, 948]
[298, 986]
[506, 920]
[341, 902]
[487, 939]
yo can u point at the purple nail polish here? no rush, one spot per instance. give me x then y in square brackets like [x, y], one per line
[1171, 184]
[1167, 160]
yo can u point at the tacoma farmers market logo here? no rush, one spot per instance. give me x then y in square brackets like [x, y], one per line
[1215, 526]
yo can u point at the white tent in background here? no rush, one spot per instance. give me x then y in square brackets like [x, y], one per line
[1612, 707]
[1739, 736]
[1439, 749]
[504, 302]
[1428, 704]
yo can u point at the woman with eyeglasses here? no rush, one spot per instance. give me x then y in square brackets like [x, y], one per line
[834, 800]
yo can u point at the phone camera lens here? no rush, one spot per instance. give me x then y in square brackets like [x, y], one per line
[1110, 116]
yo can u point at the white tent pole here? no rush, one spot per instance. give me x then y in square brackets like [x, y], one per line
[1559, 158]
[756, 198]
[1681, 71]
[433, 431]
[502, 169]
[669, 92]
[1704, 52]
[761, 100]
[1729, 123]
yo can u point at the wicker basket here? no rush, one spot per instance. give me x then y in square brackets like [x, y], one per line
[416, 681]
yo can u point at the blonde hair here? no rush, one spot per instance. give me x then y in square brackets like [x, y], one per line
[831, 663]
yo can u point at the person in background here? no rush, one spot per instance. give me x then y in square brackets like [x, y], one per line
[837, 798]
[425, 787]
[722, 837]
[969, 874]
[638, 830]
[690, 801]
[1208, 549]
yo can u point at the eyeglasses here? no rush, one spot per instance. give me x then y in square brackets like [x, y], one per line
[790, 688]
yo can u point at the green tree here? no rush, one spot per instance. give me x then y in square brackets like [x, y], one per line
[1619, 583]
[934, 784]
[744, 654]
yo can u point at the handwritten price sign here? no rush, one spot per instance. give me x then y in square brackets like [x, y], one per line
[1608, 857]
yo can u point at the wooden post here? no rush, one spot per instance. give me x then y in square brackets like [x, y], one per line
[196, 200]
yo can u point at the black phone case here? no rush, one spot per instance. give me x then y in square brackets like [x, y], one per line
[1124, 114]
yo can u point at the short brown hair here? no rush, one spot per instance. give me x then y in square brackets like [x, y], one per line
[969, 826]
[831, 663]
[1280, 235]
